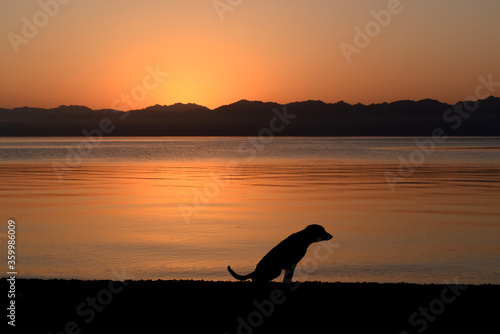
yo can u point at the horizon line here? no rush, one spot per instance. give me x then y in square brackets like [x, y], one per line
[255, 101]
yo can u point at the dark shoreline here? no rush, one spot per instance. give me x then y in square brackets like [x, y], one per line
[187, 306]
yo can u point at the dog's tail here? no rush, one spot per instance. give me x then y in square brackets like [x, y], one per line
[235, 275]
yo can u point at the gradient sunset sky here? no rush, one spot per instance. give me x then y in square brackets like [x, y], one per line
[92, 52]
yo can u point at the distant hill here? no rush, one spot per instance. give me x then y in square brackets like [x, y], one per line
[248, 118]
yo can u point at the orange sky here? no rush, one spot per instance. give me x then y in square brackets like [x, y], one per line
[100, 53]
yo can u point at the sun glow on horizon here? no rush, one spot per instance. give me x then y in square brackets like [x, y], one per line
[92, 53]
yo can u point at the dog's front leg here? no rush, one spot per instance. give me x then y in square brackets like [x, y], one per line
[289, 274]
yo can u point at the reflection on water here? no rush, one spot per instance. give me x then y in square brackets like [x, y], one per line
[119, 209]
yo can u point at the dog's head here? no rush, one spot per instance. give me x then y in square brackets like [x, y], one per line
[317, 232]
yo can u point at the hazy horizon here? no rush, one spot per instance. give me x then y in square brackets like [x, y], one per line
[234, 102]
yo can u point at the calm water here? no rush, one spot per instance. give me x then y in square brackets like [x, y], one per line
[185, 208]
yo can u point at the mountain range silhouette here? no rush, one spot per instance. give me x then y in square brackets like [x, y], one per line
[247, 118]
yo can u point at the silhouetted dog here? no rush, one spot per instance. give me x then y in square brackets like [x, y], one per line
[285, 255]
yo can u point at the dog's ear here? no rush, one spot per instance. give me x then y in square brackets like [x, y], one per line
[310, 229]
